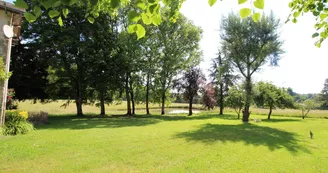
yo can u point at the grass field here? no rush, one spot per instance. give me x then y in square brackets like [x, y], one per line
[205, 142]
[55, 109]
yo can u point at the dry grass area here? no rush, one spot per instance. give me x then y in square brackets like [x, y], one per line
[55, 108]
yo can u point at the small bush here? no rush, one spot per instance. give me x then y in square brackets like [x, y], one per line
[15, 123]
[38, 117]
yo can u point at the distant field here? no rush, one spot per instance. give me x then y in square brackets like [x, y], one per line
[54, 108]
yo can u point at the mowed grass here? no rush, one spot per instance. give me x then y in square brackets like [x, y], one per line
[206, 142]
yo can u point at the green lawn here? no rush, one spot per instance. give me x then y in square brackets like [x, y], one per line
[203, 143]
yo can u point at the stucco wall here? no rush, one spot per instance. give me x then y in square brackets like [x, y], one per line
[4, 20]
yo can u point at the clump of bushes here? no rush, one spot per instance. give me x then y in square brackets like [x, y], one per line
[16, 123]
[38, 117]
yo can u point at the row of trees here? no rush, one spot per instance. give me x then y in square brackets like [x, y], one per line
[101, 62]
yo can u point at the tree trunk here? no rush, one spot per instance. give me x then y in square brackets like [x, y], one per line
[78, 99]
[132, 100]
[163, 103]
[221, 99]
[190, 106]
[78, 102]
[270, 112]
[303, 117]
[127, 93]
[102, 103]
[147, 94]
[132, 95]
[248, 87]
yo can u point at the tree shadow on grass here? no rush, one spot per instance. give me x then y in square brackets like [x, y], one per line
[73, 122]
[247, 133]
[114, 121]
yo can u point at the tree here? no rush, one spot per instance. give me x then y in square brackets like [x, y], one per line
[190, 83]
[235, 99]
[222, 76]
[324, 94]
[179, 50]
[250, 45]
[306, 106]
[268, 95]
[209, 101]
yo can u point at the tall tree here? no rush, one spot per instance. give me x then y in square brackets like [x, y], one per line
[179, 50]
[223, 77]
[249, 45]
[190, 84]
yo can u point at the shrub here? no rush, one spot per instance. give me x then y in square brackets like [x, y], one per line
[11, 102]
[15, 123]
[38, 117]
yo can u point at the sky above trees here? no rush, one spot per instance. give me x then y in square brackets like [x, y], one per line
[303, 67]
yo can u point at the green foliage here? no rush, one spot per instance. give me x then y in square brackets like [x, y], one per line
[235, 99]
[307, 105]
[3, 74]
[211, 2]
[318, 9]
[270, 96]
[244, 12]
[15, 123]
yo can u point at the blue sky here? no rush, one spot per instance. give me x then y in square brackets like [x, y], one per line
[303, 67]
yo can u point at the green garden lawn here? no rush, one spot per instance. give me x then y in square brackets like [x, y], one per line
[202, 143]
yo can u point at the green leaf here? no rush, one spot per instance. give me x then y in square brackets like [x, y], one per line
[60, 21]
[323, 35]
[242, 1]
[151, 1]
[91, 19]
[72, 2]
[93, 2]
[152, 8]
[323, 16]
[142, 5]
[212, 2]
[37, 11]
[132, 28]
[114, 3]
[259, 4]
[133, 16]
[157, 20]
[65, 12]
[318, 44]
[294, 20]
[56, 4]
[296, 14]
[245, 12]
[141, 32]
[53, 13]
[21, 4]
[315, 35]
[256, 17]
[146, 19]
[29, 17]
